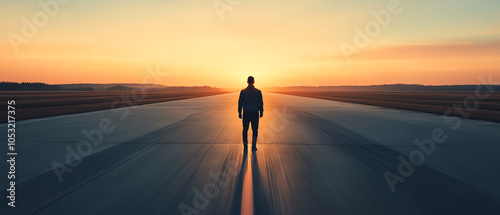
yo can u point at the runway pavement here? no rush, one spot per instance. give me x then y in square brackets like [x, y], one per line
[314, 157]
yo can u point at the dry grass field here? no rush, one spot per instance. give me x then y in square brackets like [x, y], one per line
[35, 104]
[430, 102]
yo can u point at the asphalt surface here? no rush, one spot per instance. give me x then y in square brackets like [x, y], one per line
[314, 157]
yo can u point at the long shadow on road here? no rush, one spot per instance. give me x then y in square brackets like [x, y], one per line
[439, 191]
[259, 198]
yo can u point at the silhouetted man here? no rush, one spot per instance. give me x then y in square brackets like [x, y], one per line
[251, 103]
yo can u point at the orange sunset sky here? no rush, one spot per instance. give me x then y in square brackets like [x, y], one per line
[221, 42]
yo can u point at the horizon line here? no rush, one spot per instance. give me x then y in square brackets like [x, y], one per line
[289, 86]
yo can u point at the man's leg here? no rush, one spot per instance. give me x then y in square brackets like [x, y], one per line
[246, 122]
[255, 129]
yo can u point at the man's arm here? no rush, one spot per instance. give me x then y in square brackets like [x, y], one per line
[240, 104]
[261, 104]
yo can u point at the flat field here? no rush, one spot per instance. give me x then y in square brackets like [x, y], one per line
[36, 104]
[430, 102]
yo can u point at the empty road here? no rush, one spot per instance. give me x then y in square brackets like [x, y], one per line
[314, 157]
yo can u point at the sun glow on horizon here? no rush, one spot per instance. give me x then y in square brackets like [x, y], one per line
[280, 43]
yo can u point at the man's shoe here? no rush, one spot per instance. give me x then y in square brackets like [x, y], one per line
[254, 144]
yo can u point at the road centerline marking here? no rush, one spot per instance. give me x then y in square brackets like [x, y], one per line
[247, 194]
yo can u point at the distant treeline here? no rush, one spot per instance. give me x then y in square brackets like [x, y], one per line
[174, 88]
[386, 88]
[37, 86]
[190, 88]
[27, 86]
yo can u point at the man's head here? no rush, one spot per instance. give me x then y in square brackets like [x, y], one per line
[250, 80]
